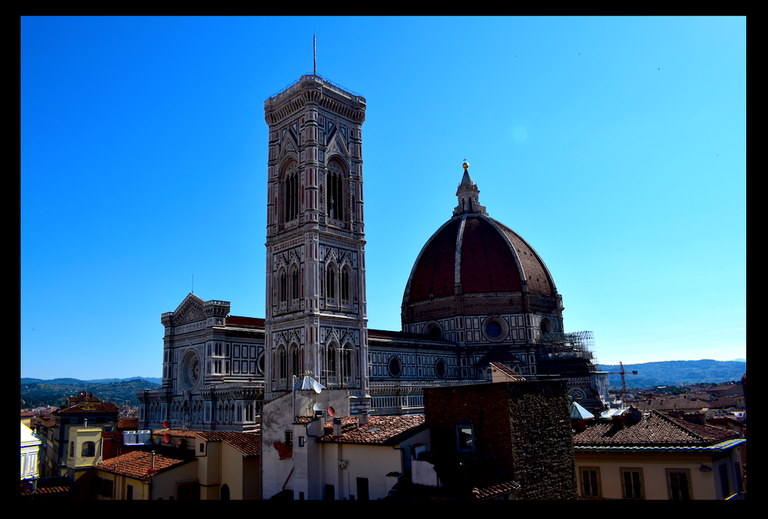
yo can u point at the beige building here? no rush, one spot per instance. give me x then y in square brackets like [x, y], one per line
[183, 465]
[228, 464]
[654, 456]
[146, 475]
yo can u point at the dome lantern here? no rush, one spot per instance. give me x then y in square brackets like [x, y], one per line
[468, 195]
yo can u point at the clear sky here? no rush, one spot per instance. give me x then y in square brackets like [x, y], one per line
[616, 146]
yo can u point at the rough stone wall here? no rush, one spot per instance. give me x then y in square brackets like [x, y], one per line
[523, 427]
[540, 427]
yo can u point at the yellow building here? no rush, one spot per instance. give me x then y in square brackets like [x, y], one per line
[654, 456]
[175, 464]
[64, 454]
[145, 475]
[228, 464]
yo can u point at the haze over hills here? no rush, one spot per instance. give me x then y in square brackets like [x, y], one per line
[75, 381]
[54, 392]
[676, 372]
[38, 392]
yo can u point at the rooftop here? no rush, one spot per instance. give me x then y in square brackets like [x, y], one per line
[652, 430]
[247, 443]
[137, 464]
[89, 407]
[379, 430]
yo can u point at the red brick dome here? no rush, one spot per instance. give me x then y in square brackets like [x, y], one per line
[475, 265]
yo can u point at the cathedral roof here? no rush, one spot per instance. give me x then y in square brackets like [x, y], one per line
[473, 253]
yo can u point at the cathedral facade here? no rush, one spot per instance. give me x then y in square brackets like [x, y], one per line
[478, 293]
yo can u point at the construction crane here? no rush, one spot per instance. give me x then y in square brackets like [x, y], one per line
[623, 382]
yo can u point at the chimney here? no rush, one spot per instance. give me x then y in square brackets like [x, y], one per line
[363, 418]
[337, 426]
[696, 417]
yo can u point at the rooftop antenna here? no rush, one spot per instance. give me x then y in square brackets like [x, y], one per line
[193, 283]
[314, 52]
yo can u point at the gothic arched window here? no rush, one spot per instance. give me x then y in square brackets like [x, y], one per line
[282, 364]
[334, 192]
[283, 286]
[331, 362]
[347, 364]
[291, 192]
[295, 361]
[345, 285]
[330, 282]
[295, 283]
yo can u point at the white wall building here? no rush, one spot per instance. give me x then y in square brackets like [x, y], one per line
[31, 446]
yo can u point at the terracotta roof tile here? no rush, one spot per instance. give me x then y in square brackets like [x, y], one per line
[380, 430]
[654, 429]
[136, 464]
[90, 407]
[183, 433]
[495, 490]
[247, 443]
[507, 371]
[128, 423]
[240, 320]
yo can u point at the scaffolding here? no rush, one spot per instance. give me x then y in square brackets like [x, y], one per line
[572, 356]
[556, 346]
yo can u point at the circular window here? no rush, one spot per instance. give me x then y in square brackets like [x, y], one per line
[395, 367]
[495, 329]
[260, 363]
[190, 369]
[440, 369]
[577, 394]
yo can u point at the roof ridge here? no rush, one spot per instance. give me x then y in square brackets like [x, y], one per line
[678, 425]
[698, 430]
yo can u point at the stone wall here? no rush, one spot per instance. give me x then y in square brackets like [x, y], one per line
[522, 427]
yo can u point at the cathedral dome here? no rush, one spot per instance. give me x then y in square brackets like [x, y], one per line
[475, 265]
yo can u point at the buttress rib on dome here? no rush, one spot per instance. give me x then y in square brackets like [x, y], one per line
[473, 256]
[492, 258]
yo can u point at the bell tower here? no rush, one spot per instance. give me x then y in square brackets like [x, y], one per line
[316, 322]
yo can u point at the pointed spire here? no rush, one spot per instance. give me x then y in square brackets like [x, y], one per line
[466, 180]
[468, 195]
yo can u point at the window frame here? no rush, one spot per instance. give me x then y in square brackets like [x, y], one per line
[593, 471]
[670, 486]
[88, 449]
[465, 434]
[641, 483]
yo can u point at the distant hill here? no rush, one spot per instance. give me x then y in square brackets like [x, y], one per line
[54, 392]
[676, 372]
[36, 392]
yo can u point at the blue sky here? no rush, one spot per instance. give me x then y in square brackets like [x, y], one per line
[616, 146]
